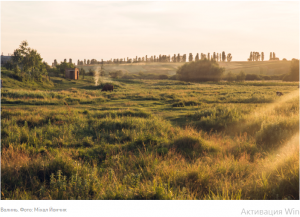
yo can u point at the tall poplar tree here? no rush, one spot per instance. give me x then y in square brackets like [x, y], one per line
[197, 57]
[190, 57]
[223, 56]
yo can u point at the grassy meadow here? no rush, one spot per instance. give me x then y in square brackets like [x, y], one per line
[149, 139]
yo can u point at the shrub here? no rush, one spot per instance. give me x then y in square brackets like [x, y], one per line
[253, 77]
[116, 74]
[173, 77]
[266, 77]
[241, 76]
[230, 77]
[202, 70]
[163, 77]
[92, 72]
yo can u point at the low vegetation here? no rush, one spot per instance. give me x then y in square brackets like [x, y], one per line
[149, 139]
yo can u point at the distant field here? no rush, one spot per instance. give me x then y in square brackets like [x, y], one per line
[260, 67]
[149, 139]
[157, 68]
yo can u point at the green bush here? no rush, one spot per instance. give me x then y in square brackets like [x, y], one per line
[116, 74]
[163, 77]
[241, 76]
[173, 77]
[231, 77]
[253, 77]
[202, 70]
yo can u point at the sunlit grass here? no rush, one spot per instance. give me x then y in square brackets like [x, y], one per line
[222, 142]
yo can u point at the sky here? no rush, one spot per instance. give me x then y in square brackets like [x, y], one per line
[121, 29]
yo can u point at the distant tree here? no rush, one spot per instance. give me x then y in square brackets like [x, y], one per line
[178, 58]
[258, 56]
[202, 70]
[262, 56]
[174, 58]
[46, 66]
[116, 74]
[214, 56]
[271, 56]
[29, 60]
[184, 58]
[93, 61]
[223, 56]
[197, 57]
[190, 57]
[284, 59]
[229, 57]
[63, 66]
[250, 58]
[208, 56]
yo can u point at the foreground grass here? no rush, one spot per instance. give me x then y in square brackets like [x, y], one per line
[151, 140]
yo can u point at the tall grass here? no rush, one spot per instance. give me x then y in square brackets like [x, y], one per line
[134, 144]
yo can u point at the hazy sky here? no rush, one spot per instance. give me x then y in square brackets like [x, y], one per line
[104, 30]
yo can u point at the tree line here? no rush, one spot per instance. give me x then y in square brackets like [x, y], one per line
[256, 56]
[176, 58]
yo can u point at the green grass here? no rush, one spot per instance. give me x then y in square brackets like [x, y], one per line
[149, 139]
